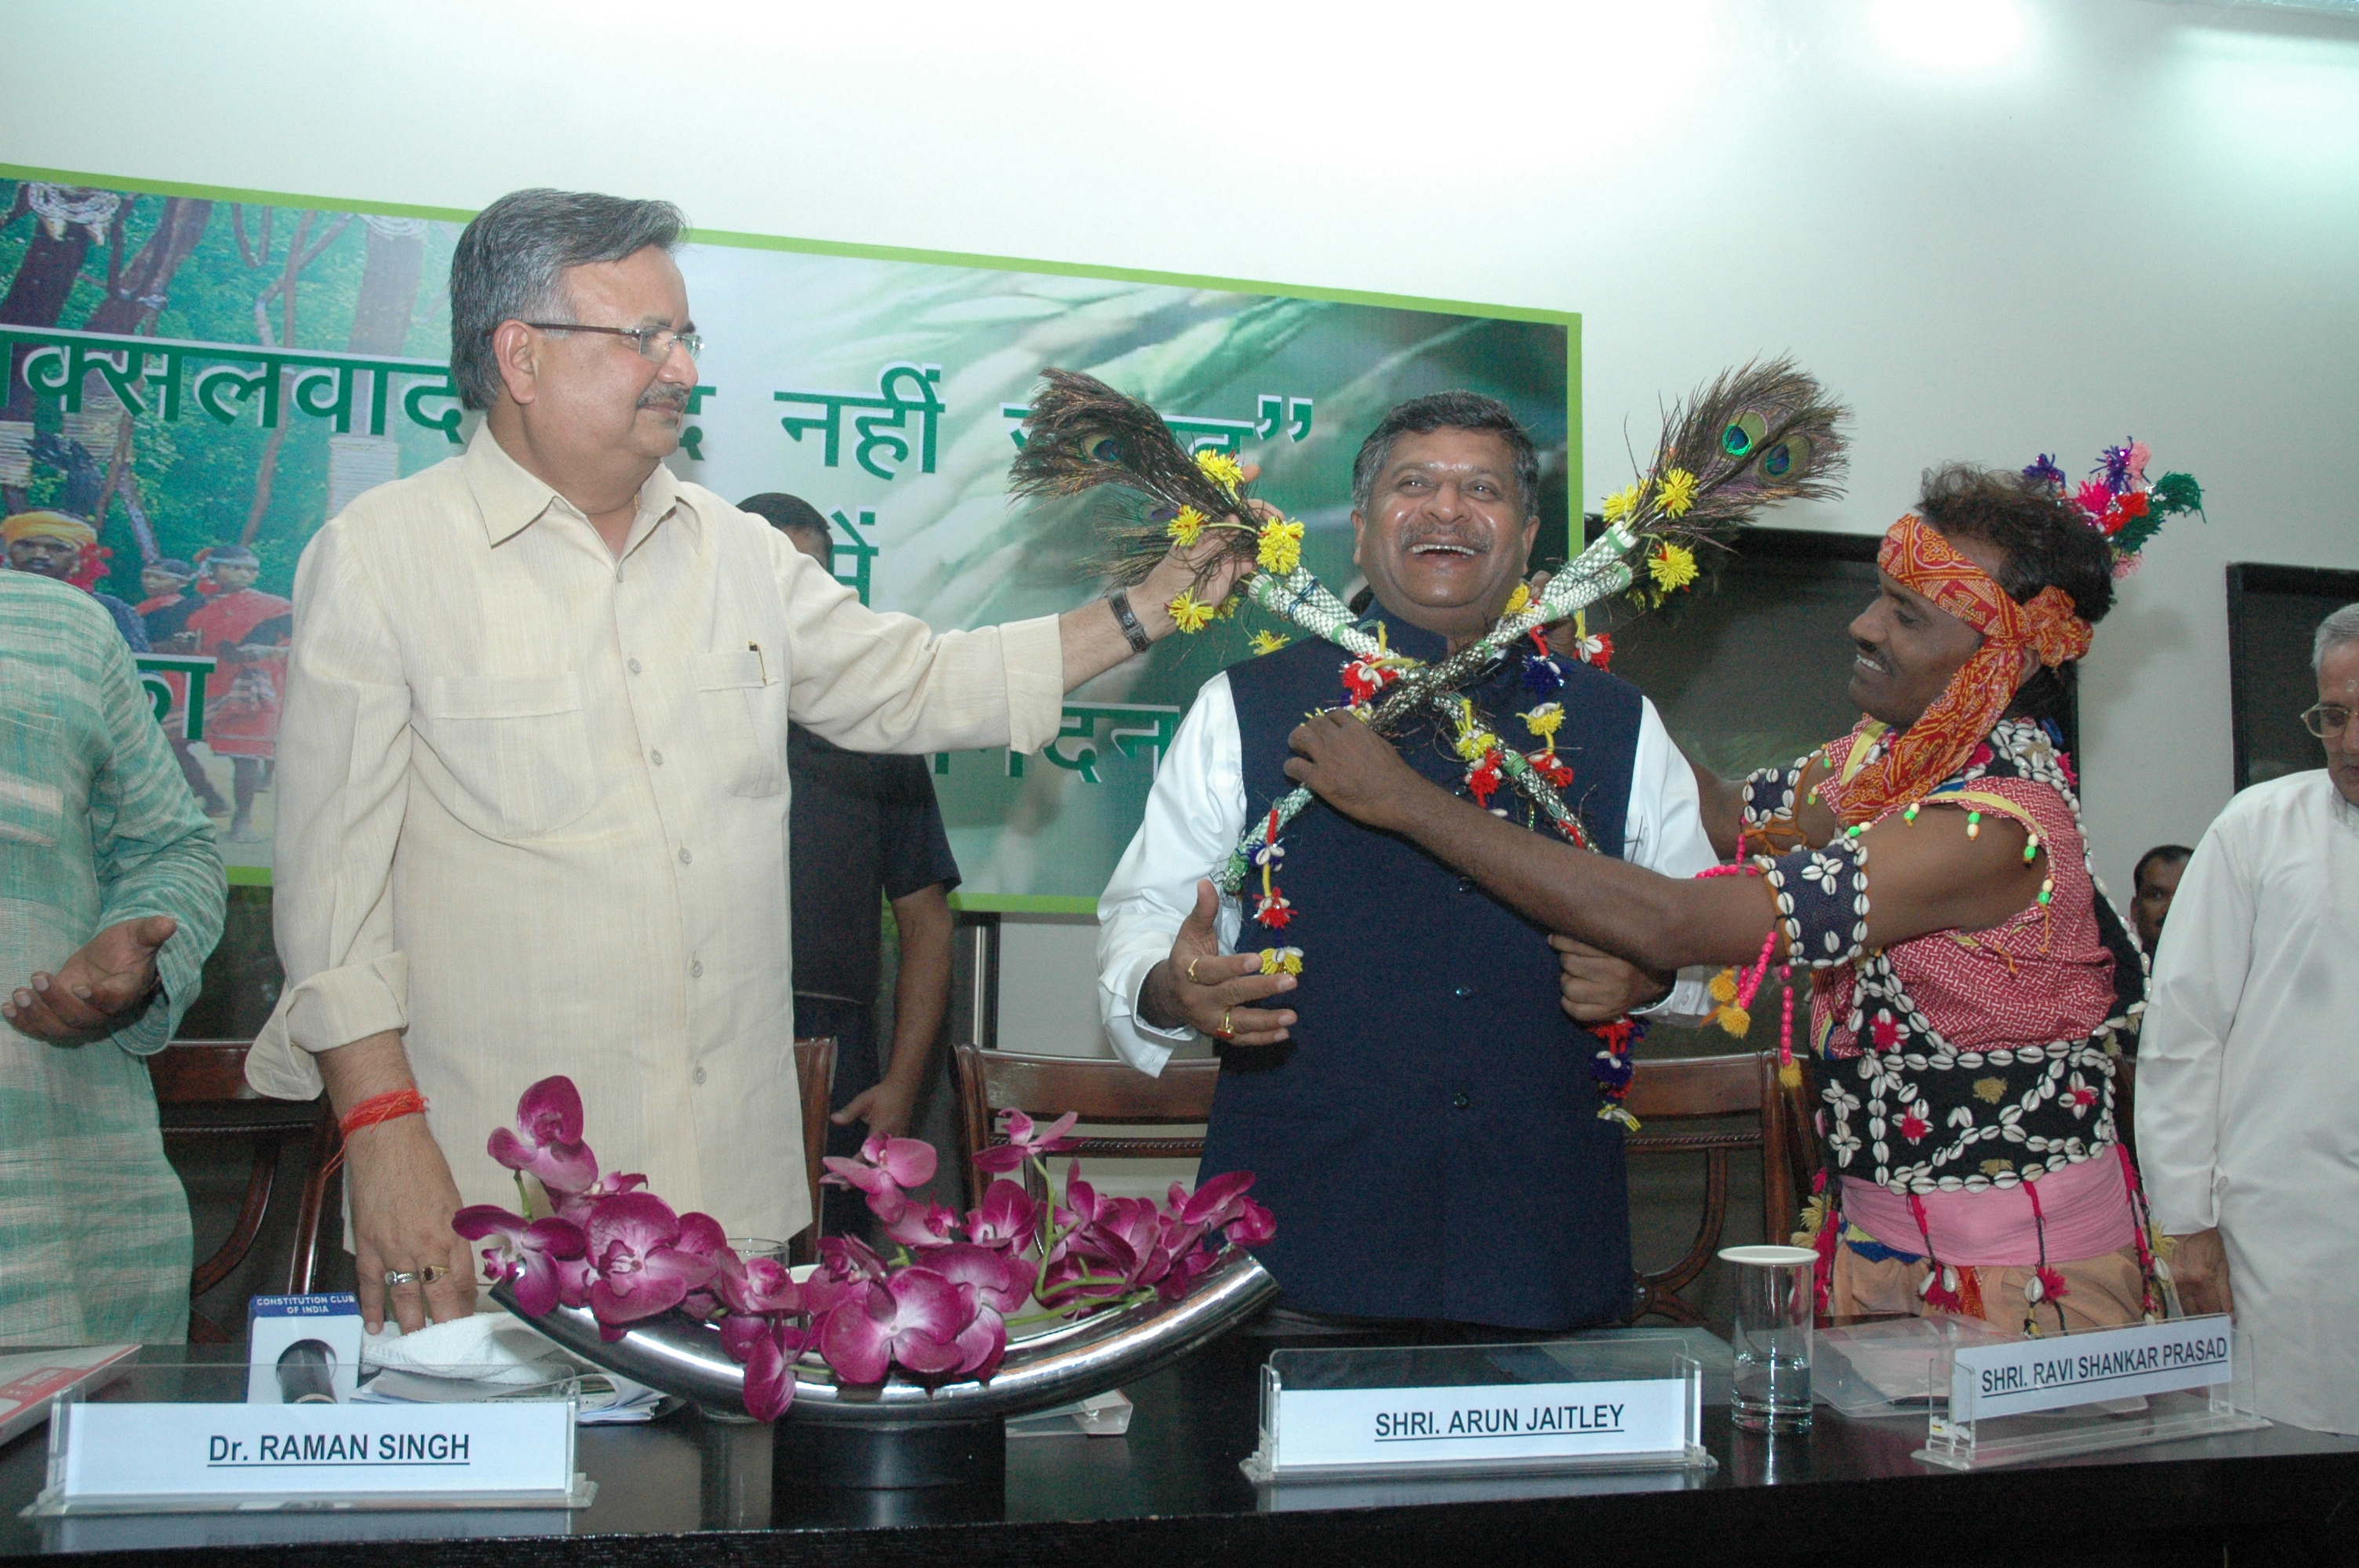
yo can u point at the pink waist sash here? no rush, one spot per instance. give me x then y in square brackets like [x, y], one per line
[2085, 1207]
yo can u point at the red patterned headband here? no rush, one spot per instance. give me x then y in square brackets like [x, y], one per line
[1937, 744]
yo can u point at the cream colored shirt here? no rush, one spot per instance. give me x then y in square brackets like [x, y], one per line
[532, 809]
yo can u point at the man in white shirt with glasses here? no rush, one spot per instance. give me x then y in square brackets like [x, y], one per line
[2248, 1086]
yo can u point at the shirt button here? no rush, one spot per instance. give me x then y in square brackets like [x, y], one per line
[635, 667]
[1461, 1101]
[696, 970]
[655, 757]
[685, 857]
[698, 1075]
[1461, 992]
[1466, 884]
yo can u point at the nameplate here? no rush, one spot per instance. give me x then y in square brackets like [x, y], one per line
[1992, 1380]
[1322, 1429]
[164, 1457]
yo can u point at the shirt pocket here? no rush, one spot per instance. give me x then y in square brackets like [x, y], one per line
[740, 697]
[518, 747]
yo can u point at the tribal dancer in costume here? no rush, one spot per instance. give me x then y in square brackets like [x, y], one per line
[1970, 980]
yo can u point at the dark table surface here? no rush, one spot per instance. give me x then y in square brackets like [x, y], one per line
[685, 1491]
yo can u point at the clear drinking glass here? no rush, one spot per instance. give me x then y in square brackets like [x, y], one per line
[1775, 1298]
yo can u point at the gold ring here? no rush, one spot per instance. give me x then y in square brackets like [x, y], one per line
[1191, 971]
[432, 1271]
[1224, 1032]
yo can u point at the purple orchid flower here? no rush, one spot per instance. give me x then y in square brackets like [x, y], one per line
[766, 1348]
[914, 1317]
[885, 1166]
[1002, 1283]
[1006, 1219]
[546, 1142]
[929, 1227]
[755, 1285]
[528, 1251]
[1026, 1140]
[642, 1268]
[1220, 1205]
[576, 1207]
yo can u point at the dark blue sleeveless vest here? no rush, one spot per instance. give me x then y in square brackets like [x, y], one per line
[1429, 1139]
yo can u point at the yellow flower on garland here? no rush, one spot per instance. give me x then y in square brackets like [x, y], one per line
[1472, 741]
[1282, 545]
[1672, 567]
[1221, 469]
[1189, 613]
[1545, 720]
[1268, 641]
[1281, 960]
[1187, 526]
[1621, 502]
[1678, 493]
[1520, 600]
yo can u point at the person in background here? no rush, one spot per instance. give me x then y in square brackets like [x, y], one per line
[114, 895]
[59, 545]
[2248, 1091]
[2153, 883]
[868, 830]
[247, 631]
[164, 612]
[532, 812]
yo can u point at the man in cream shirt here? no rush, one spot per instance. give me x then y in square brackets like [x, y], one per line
[532, 769]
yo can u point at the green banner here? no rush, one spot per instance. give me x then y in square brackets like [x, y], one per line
[190, 369]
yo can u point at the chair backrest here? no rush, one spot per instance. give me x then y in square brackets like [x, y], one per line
[815, 1081]
[1101, 1091]
[202, 1091]
[1706, 1088]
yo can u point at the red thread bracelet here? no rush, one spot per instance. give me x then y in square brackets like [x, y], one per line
[381, 1107]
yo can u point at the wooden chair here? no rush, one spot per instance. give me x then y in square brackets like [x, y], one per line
[204, 1101]
[1100, 1090]
[1702, 1088]
[815, 1080]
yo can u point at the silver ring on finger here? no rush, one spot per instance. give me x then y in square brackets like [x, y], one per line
[400, 1277]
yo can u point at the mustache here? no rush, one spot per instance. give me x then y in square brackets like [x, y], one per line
[1873, 653]
[1463, 539]
[676, 400]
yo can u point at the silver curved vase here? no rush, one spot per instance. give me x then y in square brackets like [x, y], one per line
[676, 1355]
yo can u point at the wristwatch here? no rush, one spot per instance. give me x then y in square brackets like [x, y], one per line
[1132, 631]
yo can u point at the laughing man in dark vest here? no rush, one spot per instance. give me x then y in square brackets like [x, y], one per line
[1418, 1112]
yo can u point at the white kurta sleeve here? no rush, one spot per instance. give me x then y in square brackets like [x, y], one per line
[342, 788]
[2200, 969]
[1662, 829]
[1195, 814]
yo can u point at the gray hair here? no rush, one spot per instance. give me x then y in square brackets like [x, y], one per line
[2337, 629]
[1457, 410]
[510, 265]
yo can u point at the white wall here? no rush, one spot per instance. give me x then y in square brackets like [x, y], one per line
[2076, 221]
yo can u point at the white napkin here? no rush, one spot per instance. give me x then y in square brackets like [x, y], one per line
[483, 1356]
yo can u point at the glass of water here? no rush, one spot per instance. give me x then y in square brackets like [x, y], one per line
[1776, 1299]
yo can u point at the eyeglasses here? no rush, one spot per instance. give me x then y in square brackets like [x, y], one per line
[653, 342]
[2327, 720]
